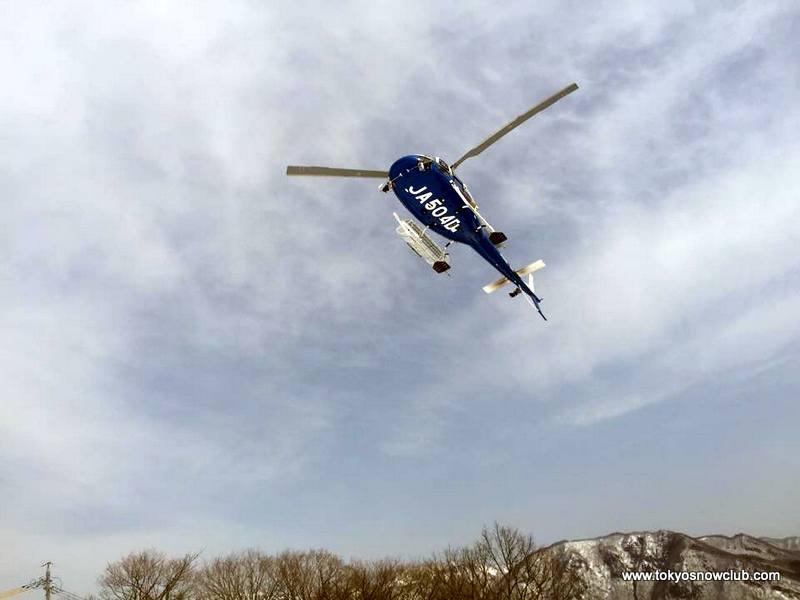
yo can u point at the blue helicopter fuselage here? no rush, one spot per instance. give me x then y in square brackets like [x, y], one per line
[440, 201]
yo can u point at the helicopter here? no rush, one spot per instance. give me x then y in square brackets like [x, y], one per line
[432, 192]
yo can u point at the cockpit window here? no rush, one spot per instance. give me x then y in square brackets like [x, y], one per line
[443, 166]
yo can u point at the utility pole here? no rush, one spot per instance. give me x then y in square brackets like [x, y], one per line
[48, 582]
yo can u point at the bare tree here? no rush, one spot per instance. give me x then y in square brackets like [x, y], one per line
[505, 564]
[147, 575]
[508, 552]
[249, 575]
[424, 581]
[465, 574]
[554, 575]
[380, 580]
[314, 575]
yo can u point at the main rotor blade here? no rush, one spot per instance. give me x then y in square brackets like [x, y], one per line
[330, 172]
[516, 122]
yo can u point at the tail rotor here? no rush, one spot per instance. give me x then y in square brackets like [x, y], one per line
[530, 293]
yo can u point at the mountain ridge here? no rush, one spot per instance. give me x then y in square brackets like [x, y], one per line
[601, 561]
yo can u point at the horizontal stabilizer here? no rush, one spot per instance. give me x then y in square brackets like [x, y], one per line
[531, 268]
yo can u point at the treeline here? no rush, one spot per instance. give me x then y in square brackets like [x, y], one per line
[503, 564]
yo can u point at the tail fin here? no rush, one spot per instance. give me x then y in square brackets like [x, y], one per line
[532, 298]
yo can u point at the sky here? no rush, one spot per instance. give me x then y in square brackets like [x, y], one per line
[198, 353]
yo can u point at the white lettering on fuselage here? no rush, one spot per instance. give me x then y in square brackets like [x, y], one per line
[436, 207]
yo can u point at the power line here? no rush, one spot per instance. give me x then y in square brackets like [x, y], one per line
[47, 583]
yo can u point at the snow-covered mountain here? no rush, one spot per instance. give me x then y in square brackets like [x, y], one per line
[602, 562]
[787, 543]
